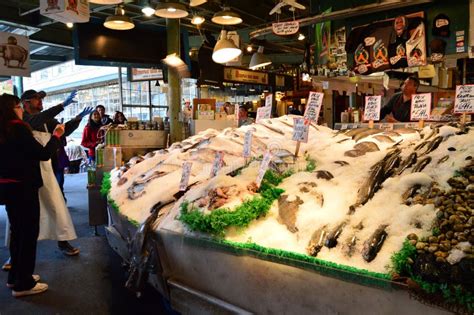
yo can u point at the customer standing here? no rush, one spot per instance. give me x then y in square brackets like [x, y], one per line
[104, 118]
[20, 179]
[399, 105]
[90, 139]
[56, 221]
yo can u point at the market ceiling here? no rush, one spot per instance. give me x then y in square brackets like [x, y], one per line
[51, 41]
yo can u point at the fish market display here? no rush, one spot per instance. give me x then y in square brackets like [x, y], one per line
[350, 197]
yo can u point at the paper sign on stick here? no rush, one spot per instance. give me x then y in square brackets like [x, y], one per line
[268, 100]
[300, 129]
[217, 164]
[372, 107]
[263, 167]
[248, 144]
[420, 106]
[313, 107]
[263, 113]
[183, 184]
[464, 103]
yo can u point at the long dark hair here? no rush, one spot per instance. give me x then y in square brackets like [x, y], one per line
[92, 123]
[7, 114]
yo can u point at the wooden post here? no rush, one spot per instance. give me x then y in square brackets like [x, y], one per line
[463, 119]
[421, 124]
[174, 84]
[371, 124]
[297, 150]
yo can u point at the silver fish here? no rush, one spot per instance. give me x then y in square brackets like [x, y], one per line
[408, 162]
[433, 145]
[443, 159]
[331, 239]
[421, 164]
[373, 245]
[364, 134]
[317, 241]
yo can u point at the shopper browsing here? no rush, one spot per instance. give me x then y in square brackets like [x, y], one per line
[20, 179]
[119, 118]
[90, 138]
[398, 107]
[104, 118]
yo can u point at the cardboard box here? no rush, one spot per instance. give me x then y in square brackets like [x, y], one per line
[66, 11]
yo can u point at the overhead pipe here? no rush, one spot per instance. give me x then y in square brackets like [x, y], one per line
[346, 13]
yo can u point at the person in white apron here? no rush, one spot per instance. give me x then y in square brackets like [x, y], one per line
[57, 220]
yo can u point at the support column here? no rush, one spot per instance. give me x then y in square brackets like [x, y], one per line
[174, 86]
[17, 86]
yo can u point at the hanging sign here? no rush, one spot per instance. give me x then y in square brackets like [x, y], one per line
[245, 76]
[14, 50]
[315, 100]
[263, 167]
[464, 103]
[300, 129]
[268, 100]
[247, 144]
[217, 164]
[66, 11]
[372, 107]
[263, 113]
[183, 184]
[420, 106]
[286, 28]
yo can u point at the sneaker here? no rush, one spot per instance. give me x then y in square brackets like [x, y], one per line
[7, 265]
[38, 288]
[37, 278]
[67, 248]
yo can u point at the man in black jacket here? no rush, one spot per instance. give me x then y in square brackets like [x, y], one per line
[44, 121]
[399, 106]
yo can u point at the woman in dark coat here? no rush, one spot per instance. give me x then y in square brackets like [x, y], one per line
[20, 179]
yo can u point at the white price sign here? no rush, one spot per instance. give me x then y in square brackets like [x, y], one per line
[464, 103]
[372, 107]
[263, 167]
[315, 100]
[263, 113]
[236, 112]
[269, 100]
[218, 161]
[286, 28]
[420, 106]
[300, 129]
[247, 144]
[183, 184]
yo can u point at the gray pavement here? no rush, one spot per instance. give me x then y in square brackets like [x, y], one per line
[91, 283]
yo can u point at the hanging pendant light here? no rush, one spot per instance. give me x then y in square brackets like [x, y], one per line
[226, 17]
[259, 60]
[119, 21]
[171, 10]
[106, 1]
[195, 3]
[225, 50]
[197, 20]
[148, 10]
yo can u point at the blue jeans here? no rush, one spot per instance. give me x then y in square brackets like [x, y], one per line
[60, 178]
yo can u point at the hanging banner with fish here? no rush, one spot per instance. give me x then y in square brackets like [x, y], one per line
[464, 103]
[248, 144]
[372, 107]
[300, 129]
[14, 50]
[315, 100]
[183, 184]
[420, 106]
[263, 113]
[263, 167]
[217, 164]
[268, 100]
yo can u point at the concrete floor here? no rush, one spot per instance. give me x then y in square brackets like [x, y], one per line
[90, 283]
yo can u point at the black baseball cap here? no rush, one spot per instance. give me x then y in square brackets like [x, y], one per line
[29, 94]
[441, 25]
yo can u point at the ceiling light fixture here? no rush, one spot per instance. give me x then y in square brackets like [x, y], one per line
[106, 1]
[195, 3]
[197, 20]
[148, 10]
[301, 36]
[226, 17]
[171, 10]
[119, 21]
[225, 50]
[259, 60]
[70, 25]
[249, 48]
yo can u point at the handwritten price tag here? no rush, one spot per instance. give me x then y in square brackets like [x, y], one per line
[372, 107]
[263, 113]
[286, 28]
[300, 129]
[247, 144]
[420, 106]
[464, 103]
[315, 100]
[217, 164]
[269, 100]
[236, 113]
[183, 184]
[263, 167]
[344, 126]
